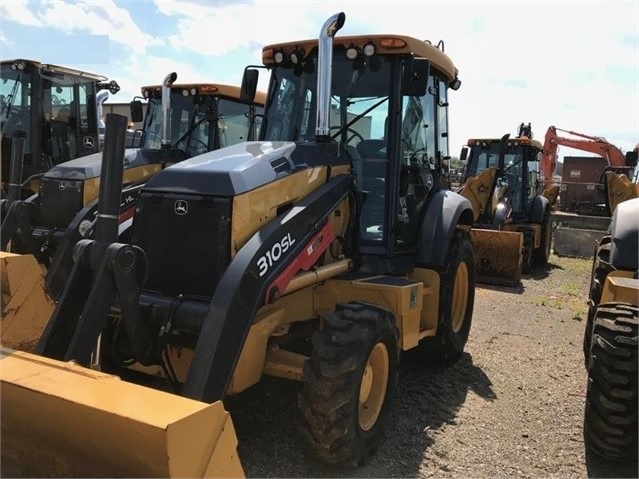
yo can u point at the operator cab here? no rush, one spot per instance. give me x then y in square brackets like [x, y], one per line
[53, 108]
[201, 118]
[388, 115]
[517, 164]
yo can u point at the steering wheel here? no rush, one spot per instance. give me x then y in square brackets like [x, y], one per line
[352, 134]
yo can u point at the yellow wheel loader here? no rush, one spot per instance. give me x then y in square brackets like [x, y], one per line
[318, 253]
[612, 329]
[512, 230]
[181, 121]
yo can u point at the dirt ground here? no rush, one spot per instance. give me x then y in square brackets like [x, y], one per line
[512, 406]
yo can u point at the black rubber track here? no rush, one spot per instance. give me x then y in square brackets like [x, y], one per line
[329, 400]
[610, 417]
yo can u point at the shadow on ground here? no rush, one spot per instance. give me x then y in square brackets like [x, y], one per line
[600, 468]
[426, 399]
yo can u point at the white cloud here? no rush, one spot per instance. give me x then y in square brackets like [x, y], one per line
[572, 64]
[102, 17]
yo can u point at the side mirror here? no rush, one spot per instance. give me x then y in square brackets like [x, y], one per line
[631, 158]
[415, 77]
[463, 156]
[136, 111]
[249, 84]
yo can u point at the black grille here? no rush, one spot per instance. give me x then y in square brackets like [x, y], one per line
[187, 240]
[60, 200]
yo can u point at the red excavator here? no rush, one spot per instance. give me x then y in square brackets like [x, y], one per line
[615, 160]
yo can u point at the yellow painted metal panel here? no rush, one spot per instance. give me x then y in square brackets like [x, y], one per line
[60, 419]
[498, 255]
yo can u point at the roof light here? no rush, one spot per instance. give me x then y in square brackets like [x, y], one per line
[145, 93]
[185, 92]
[392, 43]
[18, 65]
[278, 57]
[297, 56]
[369, 49]
[193, 91]
[352, 52]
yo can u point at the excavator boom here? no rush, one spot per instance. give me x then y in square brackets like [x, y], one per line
[592, 144]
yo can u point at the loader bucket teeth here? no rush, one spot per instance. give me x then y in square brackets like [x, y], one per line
[26, 306]
[498, 256]
[56, 415]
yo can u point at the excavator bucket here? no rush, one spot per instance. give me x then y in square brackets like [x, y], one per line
[26, 306]
[498, 256]
[63, 420]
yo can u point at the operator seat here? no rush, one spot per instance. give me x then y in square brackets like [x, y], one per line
[372, 149]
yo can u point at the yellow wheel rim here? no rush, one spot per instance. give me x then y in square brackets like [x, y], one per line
[460, 297]
[372, 390]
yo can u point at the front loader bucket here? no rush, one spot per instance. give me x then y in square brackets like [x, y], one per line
[26, 306]
[498, 256]
[63, 420]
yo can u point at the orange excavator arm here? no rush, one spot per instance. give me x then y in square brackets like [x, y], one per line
[592, 144]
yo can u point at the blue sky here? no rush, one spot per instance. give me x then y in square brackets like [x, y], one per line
[574, 65]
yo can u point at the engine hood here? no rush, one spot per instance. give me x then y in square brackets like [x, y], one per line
[242, 167]
[90, 166]
[229, 171]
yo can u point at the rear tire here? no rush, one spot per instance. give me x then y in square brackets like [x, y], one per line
[542, 254]
[349, 383]
[456, 301]
[610, 416]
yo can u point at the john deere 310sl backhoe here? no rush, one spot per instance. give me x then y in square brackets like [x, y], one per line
[318, 253]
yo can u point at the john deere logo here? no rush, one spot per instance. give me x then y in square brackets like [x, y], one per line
[181, 207]
[88, 142]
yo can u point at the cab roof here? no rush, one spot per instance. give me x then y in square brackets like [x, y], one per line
[524, 140]
[384, 43]
[230, 91]
[56, 68]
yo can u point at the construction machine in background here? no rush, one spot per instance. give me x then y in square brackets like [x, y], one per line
[181, 121]
[54, 109]
[612, 329]
[512, 200]
[316, 254]
[591, 201]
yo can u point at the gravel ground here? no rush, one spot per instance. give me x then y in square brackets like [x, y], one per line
[512, 406]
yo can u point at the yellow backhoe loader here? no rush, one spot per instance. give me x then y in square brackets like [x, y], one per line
[512, 228]
[317, 253]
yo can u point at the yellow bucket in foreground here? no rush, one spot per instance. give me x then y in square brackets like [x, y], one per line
[63, 420]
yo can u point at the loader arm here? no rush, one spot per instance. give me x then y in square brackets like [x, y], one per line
[242, 289]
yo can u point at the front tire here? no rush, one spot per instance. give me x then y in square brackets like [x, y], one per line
[542, 254]
[456, 301]
[349, 383]
[610, 416]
